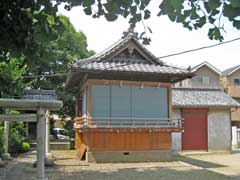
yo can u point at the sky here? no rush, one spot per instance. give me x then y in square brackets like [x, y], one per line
[167, 38]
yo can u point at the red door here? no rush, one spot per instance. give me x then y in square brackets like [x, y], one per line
[195, 136]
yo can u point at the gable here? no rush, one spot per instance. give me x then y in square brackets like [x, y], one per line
[231, 70]
[131, 51]
[206, 70]
[207, 65]
[234, 75]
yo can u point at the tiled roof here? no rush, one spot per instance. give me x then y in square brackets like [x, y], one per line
[102, 56]
[133, 67]
[195, 97]
[36, 94]
[103, 61]
[126, 56]
[230, 70]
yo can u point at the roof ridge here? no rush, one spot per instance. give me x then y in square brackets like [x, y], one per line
[121, 42]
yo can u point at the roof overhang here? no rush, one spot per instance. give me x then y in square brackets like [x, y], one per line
[76, 77]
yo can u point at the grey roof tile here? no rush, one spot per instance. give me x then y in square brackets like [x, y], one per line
[136, 67]
[121, 43]
[36, 94]
[202, 98]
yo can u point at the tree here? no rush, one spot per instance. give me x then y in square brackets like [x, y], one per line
[11, 76]
[12, 85]
[26, 22]
[52, 57]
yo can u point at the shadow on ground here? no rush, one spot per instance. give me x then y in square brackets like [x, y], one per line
[199, 163]
[68, 167]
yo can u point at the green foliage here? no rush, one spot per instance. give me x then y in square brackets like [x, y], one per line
[11, 75]
[24, 24]
[53, 58]
[25, 146]
[195, 14]
[192, 14]
[16, 137]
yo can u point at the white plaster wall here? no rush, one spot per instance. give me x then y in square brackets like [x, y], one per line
[219, 130]
[176, 136]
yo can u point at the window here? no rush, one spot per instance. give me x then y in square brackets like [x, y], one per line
[236, 82]
[129, 102]
[205, 80]
[201, 79]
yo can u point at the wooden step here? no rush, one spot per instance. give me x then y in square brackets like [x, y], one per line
[82, 151]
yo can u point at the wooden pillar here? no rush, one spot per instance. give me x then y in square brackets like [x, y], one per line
[41, 150]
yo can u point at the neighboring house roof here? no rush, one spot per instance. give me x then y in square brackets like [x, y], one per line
[199, 97]
[231, 70]
[205, 63]
[128, 57]
[36, 94]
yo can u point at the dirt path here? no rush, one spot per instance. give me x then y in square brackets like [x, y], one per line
[192, 167]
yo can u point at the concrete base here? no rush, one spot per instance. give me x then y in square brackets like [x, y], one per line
[49, 160]
[60, 145]
[6, 156]
[128, 156]
[1, 164]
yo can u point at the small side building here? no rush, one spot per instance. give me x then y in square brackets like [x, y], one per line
[124, 111]
[207, 119]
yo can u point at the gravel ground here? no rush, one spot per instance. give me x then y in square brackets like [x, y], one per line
[188, 167]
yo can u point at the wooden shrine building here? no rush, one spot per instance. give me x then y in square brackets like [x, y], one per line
[124, 104]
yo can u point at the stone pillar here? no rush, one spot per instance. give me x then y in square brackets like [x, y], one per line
[47, 133]
[41, 150]
[49, 159]
[234, 137]
[6, 155]
[27, 130]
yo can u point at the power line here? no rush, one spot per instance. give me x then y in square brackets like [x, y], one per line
[45, 75]
[166, 56]
[198, 49]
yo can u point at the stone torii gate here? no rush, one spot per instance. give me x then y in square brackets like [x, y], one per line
[40, 106]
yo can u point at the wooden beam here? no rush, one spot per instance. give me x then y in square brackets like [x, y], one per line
[19, 117]
[127, 83]
[89, 104]
[170, 102]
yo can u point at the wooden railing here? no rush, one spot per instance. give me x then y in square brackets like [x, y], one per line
[128, 123]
